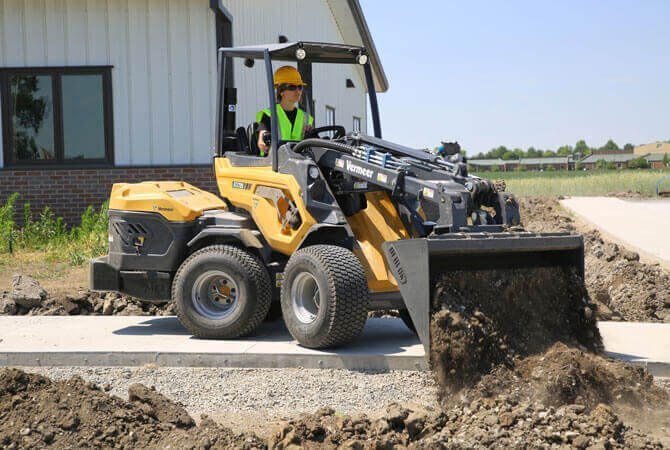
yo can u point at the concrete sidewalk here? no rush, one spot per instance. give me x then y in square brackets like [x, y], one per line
[642, 225]
[386, 344]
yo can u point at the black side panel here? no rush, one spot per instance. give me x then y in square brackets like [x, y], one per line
[146, 285]
[145, 241]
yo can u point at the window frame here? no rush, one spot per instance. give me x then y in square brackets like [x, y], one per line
[329, 109]
[353, 124]
[56, 73]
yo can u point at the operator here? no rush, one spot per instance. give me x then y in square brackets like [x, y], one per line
[293, 121]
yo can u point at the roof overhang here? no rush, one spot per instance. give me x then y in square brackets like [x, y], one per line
[350, 20]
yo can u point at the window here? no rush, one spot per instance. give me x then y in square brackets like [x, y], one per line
[57, 116]
[357, 125]
[330, 118]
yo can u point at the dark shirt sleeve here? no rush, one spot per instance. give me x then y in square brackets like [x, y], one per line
[265, 123]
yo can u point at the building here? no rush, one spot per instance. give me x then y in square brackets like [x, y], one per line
[548, 163]
[657, 160]
[619, 160]
[487, 165]
[101, 91]
[654, 147]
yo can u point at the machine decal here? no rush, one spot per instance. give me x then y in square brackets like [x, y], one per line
[241, 185]
[359, 170]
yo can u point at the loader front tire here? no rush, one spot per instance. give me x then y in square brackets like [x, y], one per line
[221, 292]
[324, 296]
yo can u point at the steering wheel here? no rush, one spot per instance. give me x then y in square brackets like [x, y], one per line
[314, 132]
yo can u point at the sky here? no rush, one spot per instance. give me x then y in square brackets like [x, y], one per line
[523, 73]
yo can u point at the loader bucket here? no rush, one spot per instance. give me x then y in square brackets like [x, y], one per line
[418, 263]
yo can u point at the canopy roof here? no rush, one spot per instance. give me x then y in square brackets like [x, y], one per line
[316, 52]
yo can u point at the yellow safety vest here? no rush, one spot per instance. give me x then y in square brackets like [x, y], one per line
[287, 131]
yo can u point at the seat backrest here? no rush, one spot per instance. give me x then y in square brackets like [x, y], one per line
[243, 139]
[252, 132]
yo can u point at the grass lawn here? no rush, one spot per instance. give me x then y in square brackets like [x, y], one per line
[581, 183]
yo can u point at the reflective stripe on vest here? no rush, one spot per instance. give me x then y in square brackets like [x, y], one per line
[288, 132]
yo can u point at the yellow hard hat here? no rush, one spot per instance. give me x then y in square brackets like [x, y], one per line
[288, 75]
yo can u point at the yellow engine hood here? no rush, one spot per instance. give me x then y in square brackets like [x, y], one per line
[175, 200]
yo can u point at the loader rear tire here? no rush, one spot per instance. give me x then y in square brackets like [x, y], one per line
[221, 292]
[324, 296]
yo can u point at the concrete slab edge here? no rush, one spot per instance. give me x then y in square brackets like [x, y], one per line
[645, 256]
[256, 361]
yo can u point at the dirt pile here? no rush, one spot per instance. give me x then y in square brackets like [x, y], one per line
[484, 319]
[484, 423]
[27, 297]
[35, 412]
[623, 287]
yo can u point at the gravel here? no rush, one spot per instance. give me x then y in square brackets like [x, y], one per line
[277, 392]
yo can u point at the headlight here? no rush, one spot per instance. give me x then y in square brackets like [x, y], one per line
[300, 54]
[314, 172]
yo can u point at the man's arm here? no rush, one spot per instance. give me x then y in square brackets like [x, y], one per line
[263, 129]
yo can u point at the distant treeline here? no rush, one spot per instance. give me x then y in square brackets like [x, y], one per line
[580, 149]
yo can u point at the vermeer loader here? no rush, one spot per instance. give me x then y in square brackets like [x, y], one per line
[342, 223]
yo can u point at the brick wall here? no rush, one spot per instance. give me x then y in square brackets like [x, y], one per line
[69, 191]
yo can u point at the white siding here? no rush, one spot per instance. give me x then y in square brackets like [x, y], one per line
[163, 53]
[164, 64]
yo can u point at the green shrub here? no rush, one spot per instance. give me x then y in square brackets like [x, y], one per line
[39, 234]
[601, 164]
[49, 233]
[7, 226]
[638, 163]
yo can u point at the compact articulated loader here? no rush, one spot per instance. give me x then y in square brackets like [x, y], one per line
[344, 224]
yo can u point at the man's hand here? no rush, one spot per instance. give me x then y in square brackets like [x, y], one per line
[261, 142]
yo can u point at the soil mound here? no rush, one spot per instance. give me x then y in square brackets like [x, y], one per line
[28, 298]
[484, 423]
[622, 287]
[35, 412]
[484, 319]
[565, 375]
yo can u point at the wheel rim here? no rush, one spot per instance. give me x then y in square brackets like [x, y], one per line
[214, 294]
[305, 297]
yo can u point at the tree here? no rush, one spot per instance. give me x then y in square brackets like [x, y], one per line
[508, 155]
[499, 152]
[628, 148]
[610, 146]
[565, 150]
[666, 160]
[581, 149]
[549, 153]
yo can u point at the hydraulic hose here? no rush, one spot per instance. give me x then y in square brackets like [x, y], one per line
[302, 145]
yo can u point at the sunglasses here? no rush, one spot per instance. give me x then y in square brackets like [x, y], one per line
[290, 87]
